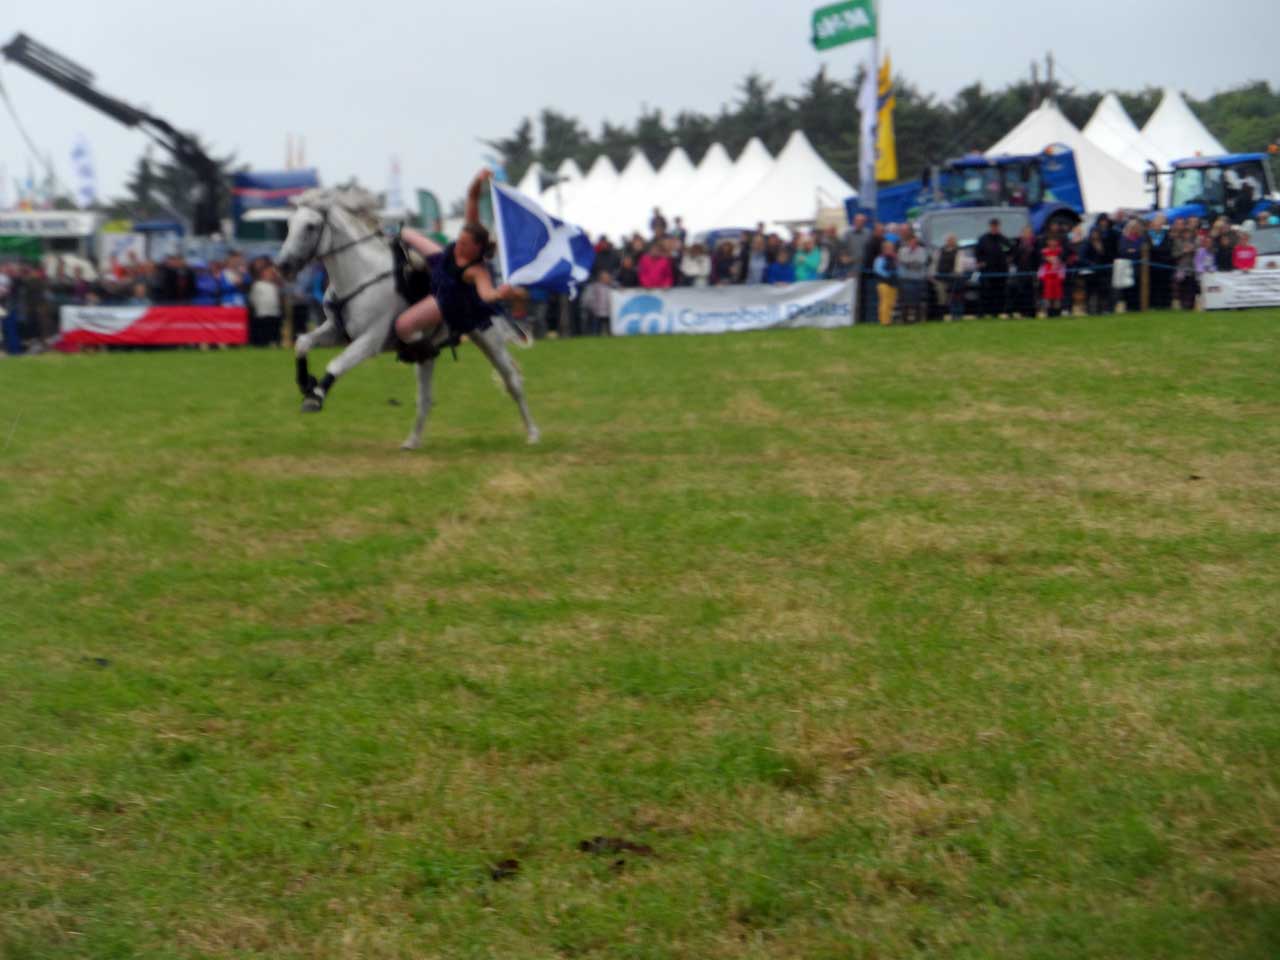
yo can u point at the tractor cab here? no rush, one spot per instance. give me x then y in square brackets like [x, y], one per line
[1000, 182]
[1046, 185]
[1237, 186]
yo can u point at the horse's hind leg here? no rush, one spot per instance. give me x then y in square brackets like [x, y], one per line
[494, 348]
[426, 398]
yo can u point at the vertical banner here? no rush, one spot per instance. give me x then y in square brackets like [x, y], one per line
[869, 110]
[429, 212]
[395, 196]
[86, 179]
[886, 147]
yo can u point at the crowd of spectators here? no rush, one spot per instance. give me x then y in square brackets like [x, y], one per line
[1099, 268]
[32, 293]
[900, 279]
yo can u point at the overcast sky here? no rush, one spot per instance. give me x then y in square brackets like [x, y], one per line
[365, 81]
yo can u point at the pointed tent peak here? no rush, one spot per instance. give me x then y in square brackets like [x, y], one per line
[797, 141]
[569, 170]
[716, 158]
[1111, 128]
[1110, 112]
[676, 164]
[531, 182]
[797, 146]
[602, 168]
[1176, 130]
[638, 165]
[710, 176]
[755, 150]
[1044, 125]
[792, 189]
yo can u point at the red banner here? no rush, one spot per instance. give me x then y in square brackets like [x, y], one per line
[152, 326]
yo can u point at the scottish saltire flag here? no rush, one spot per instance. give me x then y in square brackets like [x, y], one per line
[534, 248]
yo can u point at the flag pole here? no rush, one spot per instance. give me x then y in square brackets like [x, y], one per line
[870, 187]
[497, 224]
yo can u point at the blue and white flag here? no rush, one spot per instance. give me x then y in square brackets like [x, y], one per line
[86, 177]
[534, 248]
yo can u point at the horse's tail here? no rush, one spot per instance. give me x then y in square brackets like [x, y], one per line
[513, 331]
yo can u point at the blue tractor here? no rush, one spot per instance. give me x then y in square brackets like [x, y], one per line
[1045, 185]
[1238, 186]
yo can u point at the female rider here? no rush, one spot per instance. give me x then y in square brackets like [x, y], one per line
[462, 291]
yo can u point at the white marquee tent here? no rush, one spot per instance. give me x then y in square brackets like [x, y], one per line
[674, 177]
[557, 197]
[531, 182]
[631, 206]
[714, 169]
[598, 187]
[1111, 129]
[1177, 132]
[716, 193]
[799, 183]
[1107, 183]
[751, 167]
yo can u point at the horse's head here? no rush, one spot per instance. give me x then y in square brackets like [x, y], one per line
[302, 243]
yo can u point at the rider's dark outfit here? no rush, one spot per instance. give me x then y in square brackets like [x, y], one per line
[461, 306]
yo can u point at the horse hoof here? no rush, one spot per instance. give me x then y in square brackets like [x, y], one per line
[533, 437]
[410, 445]
[313, 404]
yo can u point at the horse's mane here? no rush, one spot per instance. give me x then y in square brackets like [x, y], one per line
[356, 201]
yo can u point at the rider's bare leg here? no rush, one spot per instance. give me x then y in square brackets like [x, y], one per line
[419, 321]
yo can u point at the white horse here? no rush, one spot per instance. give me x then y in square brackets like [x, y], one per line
[340, 228]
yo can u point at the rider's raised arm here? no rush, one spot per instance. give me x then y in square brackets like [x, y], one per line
[420, 242]
[479, 275]
[473, 194]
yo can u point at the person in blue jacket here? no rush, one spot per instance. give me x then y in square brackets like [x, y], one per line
[782, 270]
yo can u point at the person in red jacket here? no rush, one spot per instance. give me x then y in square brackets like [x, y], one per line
[1245, 255]
[654, 268]
[1052, 274]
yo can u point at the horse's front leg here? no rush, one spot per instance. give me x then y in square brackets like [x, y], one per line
[326, 335]
[494, 347]
[368, 344]
[426, 398]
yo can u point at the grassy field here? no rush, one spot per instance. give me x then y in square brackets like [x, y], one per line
[946, 641]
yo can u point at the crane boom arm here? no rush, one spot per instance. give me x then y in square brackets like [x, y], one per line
[77, 81]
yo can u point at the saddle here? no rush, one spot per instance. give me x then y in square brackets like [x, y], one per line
[413, 276]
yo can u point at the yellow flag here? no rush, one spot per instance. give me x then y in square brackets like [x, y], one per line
[886, 148]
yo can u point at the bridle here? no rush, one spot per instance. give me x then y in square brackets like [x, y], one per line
[339, 302]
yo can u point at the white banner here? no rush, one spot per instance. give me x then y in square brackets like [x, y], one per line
[818, 303]
[104, 320]
[1241, 288]
[47, 223]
